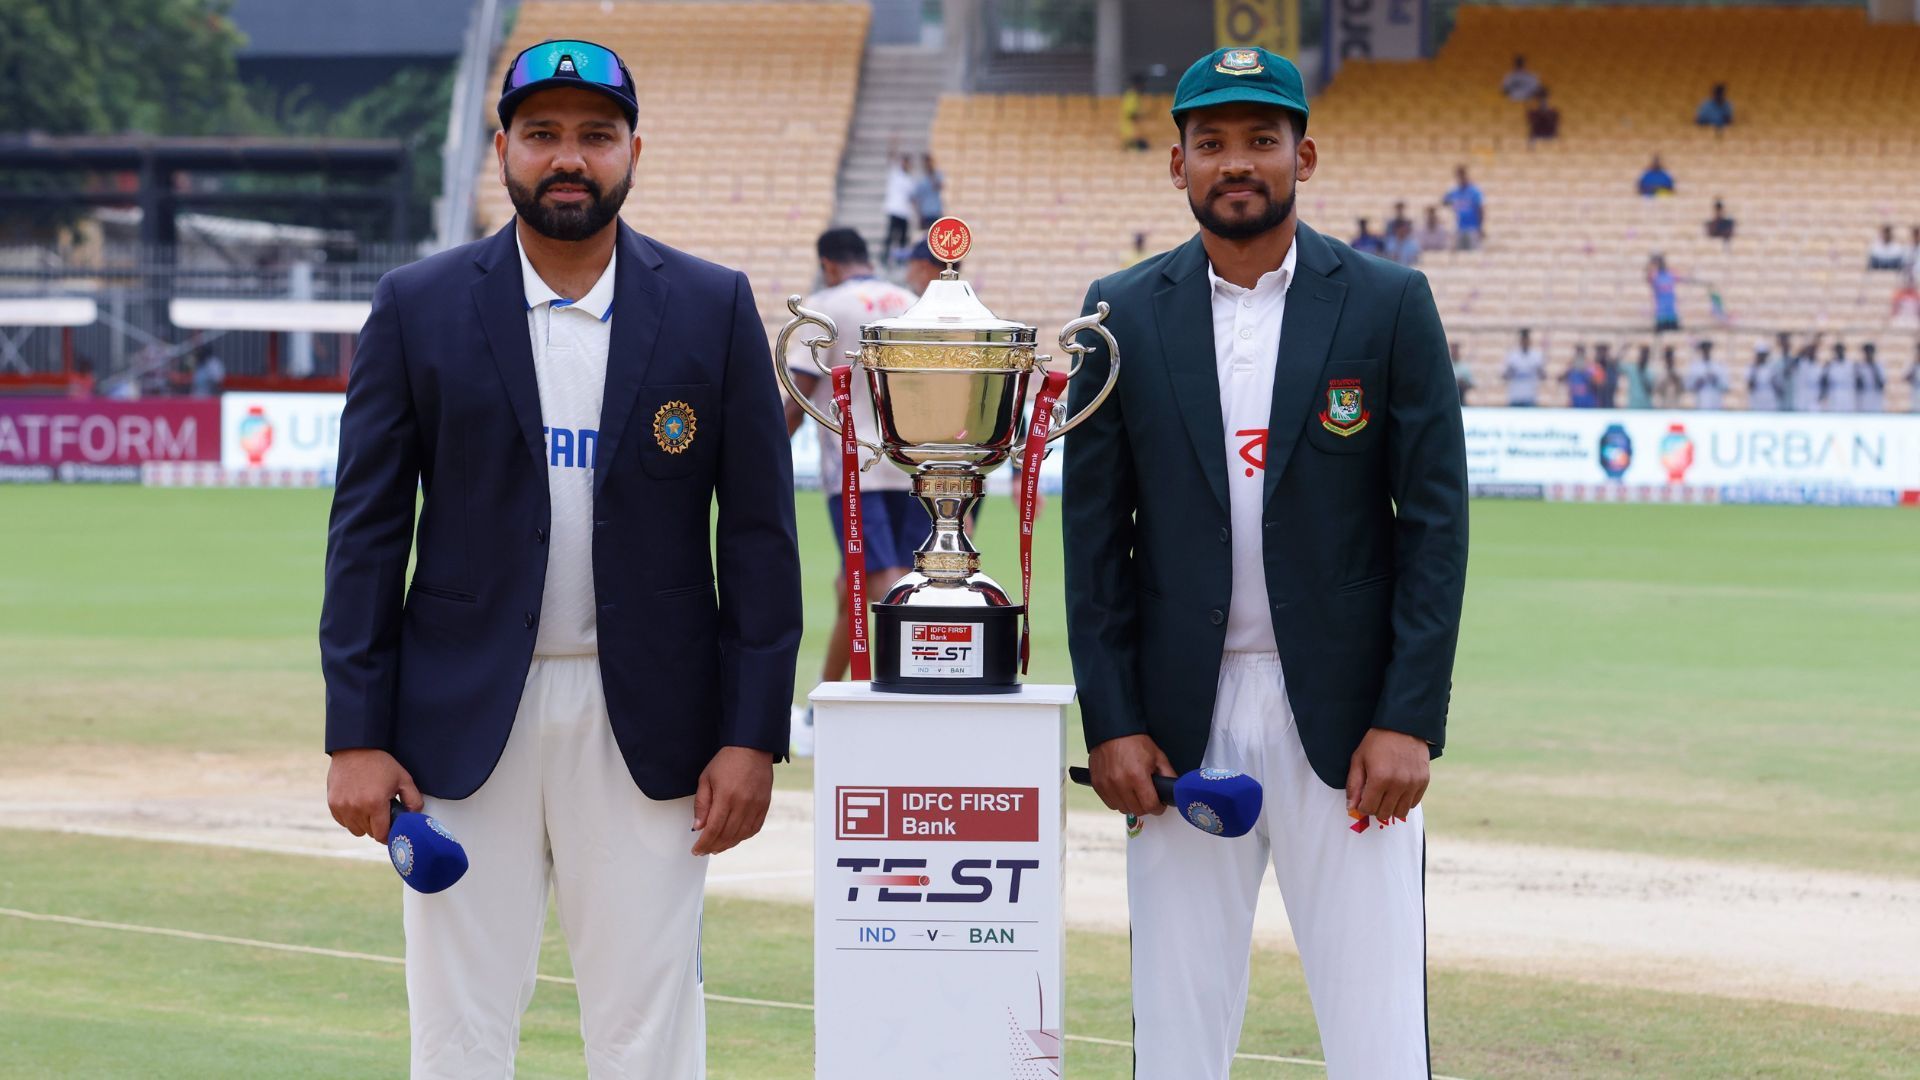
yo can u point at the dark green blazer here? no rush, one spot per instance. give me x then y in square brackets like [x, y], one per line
[1365, 533]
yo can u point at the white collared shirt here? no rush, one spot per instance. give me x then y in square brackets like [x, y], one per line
[570, 340]
[1246, 351]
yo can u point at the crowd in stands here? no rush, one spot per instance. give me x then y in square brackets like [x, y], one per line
[1781, 377]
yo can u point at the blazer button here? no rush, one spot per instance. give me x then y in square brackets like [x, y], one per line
[539, 536]
[529, 620]
[1226, 535]
[1216, 616]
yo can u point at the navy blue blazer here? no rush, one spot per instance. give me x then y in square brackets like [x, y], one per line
[442, 404]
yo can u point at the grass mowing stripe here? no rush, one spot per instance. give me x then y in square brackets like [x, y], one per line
[395, 961]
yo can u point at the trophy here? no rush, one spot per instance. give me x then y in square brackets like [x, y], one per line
[949, 388]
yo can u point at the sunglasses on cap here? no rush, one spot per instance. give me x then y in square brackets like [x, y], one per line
[561, 59]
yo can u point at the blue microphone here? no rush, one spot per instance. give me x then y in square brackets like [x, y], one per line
[424, 853]
[1216, 801]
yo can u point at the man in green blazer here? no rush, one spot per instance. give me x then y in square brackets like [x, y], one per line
[1266, 548]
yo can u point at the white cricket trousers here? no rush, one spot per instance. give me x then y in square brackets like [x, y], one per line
[1356, 902]
[561, 810]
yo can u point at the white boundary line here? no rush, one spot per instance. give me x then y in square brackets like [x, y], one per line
[394, 961]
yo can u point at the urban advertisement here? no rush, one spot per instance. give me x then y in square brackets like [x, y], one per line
[1601, 455]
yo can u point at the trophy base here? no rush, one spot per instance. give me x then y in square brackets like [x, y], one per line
[926, 649]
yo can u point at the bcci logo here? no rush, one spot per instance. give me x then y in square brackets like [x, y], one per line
[401, 852]
[1203, 818]
[1346, 412]
[674, 426]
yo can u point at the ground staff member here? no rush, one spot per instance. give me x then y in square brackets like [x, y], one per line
[1266, 549]
[561, 684]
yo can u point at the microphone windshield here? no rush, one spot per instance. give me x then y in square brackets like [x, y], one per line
[424, 853]
[1218, 801]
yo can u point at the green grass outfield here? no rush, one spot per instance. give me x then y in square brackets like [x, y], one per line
[83, 1001]
[1727, 682]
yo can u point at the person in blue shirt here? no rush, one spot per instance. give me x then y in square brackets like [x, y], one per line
[1469, 211]
[1656, 180]
[1579, 380]
[1368, 242]
[1716, 112]
[1666, 307]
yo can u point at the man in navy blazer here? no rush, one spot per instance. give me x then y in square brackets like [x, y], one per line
[590, 661]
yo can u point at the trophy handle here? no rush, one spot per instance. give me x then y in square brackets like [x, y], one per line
[1069, 335]
[808, 317]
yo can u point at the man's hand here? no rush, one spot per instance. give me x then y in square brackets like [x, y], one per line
[731, 803]
[361, 785]
[1123, 771]
[1388, 776]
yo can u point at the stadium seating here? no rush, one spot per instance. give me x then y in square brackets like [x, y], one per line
[744, 111]
[1824, 150]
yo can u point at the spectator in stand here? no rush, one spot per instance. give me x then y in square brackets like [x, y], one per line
[1720, 226]
[1543, 120]
[209, 374]
[1401, 245]
[899, 207]
[1606, 375]
[1368, 242]
[1433, 234]
[1579, 380]
[1666, 302]
[1913, 249]
[929, 193]
[1524, 368]
[1716, 112]
[80, 383]
[1839, 384]
[1398, 219]
[1521, 83]
[1803, 378]
[1140, 251]
[1668, 387]
[1913, 381]
[1462, 372]
[1469, 211]
[1871, 380]
[1130, 137]
[1656, 181]
[1640, 380]
[1906, 304]
[1766, 379]
[1888, 254]
[1706, 379]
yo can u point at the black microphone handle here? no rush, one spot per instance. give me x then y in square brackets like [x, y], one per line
[1162, 785]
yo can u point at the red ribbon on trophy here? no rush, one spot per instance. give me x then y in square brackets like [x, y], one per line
[1050, 390]
[853, 548]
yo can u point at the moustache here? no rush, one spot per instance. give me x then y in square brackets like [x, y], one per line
[1258, 187]
[592, 189]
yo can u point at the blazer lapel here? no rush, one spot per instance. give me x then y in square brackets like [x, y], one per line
[500, 296]
[1183, 310]
[1314, 299]
[639, 304]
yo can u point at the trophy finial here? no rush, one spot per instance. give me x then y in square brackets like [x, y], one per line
[949, 239]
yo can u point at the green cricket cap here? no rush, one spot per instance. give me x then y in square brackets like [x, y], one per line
[1241, 73]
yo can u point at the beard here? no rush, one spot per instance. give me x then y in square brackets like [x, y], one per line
[1244, 228]
[569, 222]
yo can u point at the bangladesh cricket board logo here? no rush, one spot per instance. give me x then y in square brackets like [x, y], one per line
[1346, 407]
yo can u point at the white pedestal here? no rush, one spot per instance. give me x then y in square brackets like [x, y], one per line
[938, 941]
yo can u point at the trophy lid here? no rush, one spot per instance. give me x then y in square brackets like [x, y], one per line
[948, 310]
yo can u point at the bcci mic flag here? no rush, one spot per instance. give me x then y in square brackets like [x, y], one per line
[424, 853]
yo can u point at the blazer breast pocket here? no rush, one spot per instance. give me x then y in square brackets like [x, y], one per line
[677, 427]
[1349, 411]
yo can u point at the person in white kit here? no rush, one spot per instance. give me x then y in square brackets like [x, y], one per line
[588, 681]
[1523, 370]
[1839, 383]
[1265, 560]
[893, 522]
[1706, 378]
